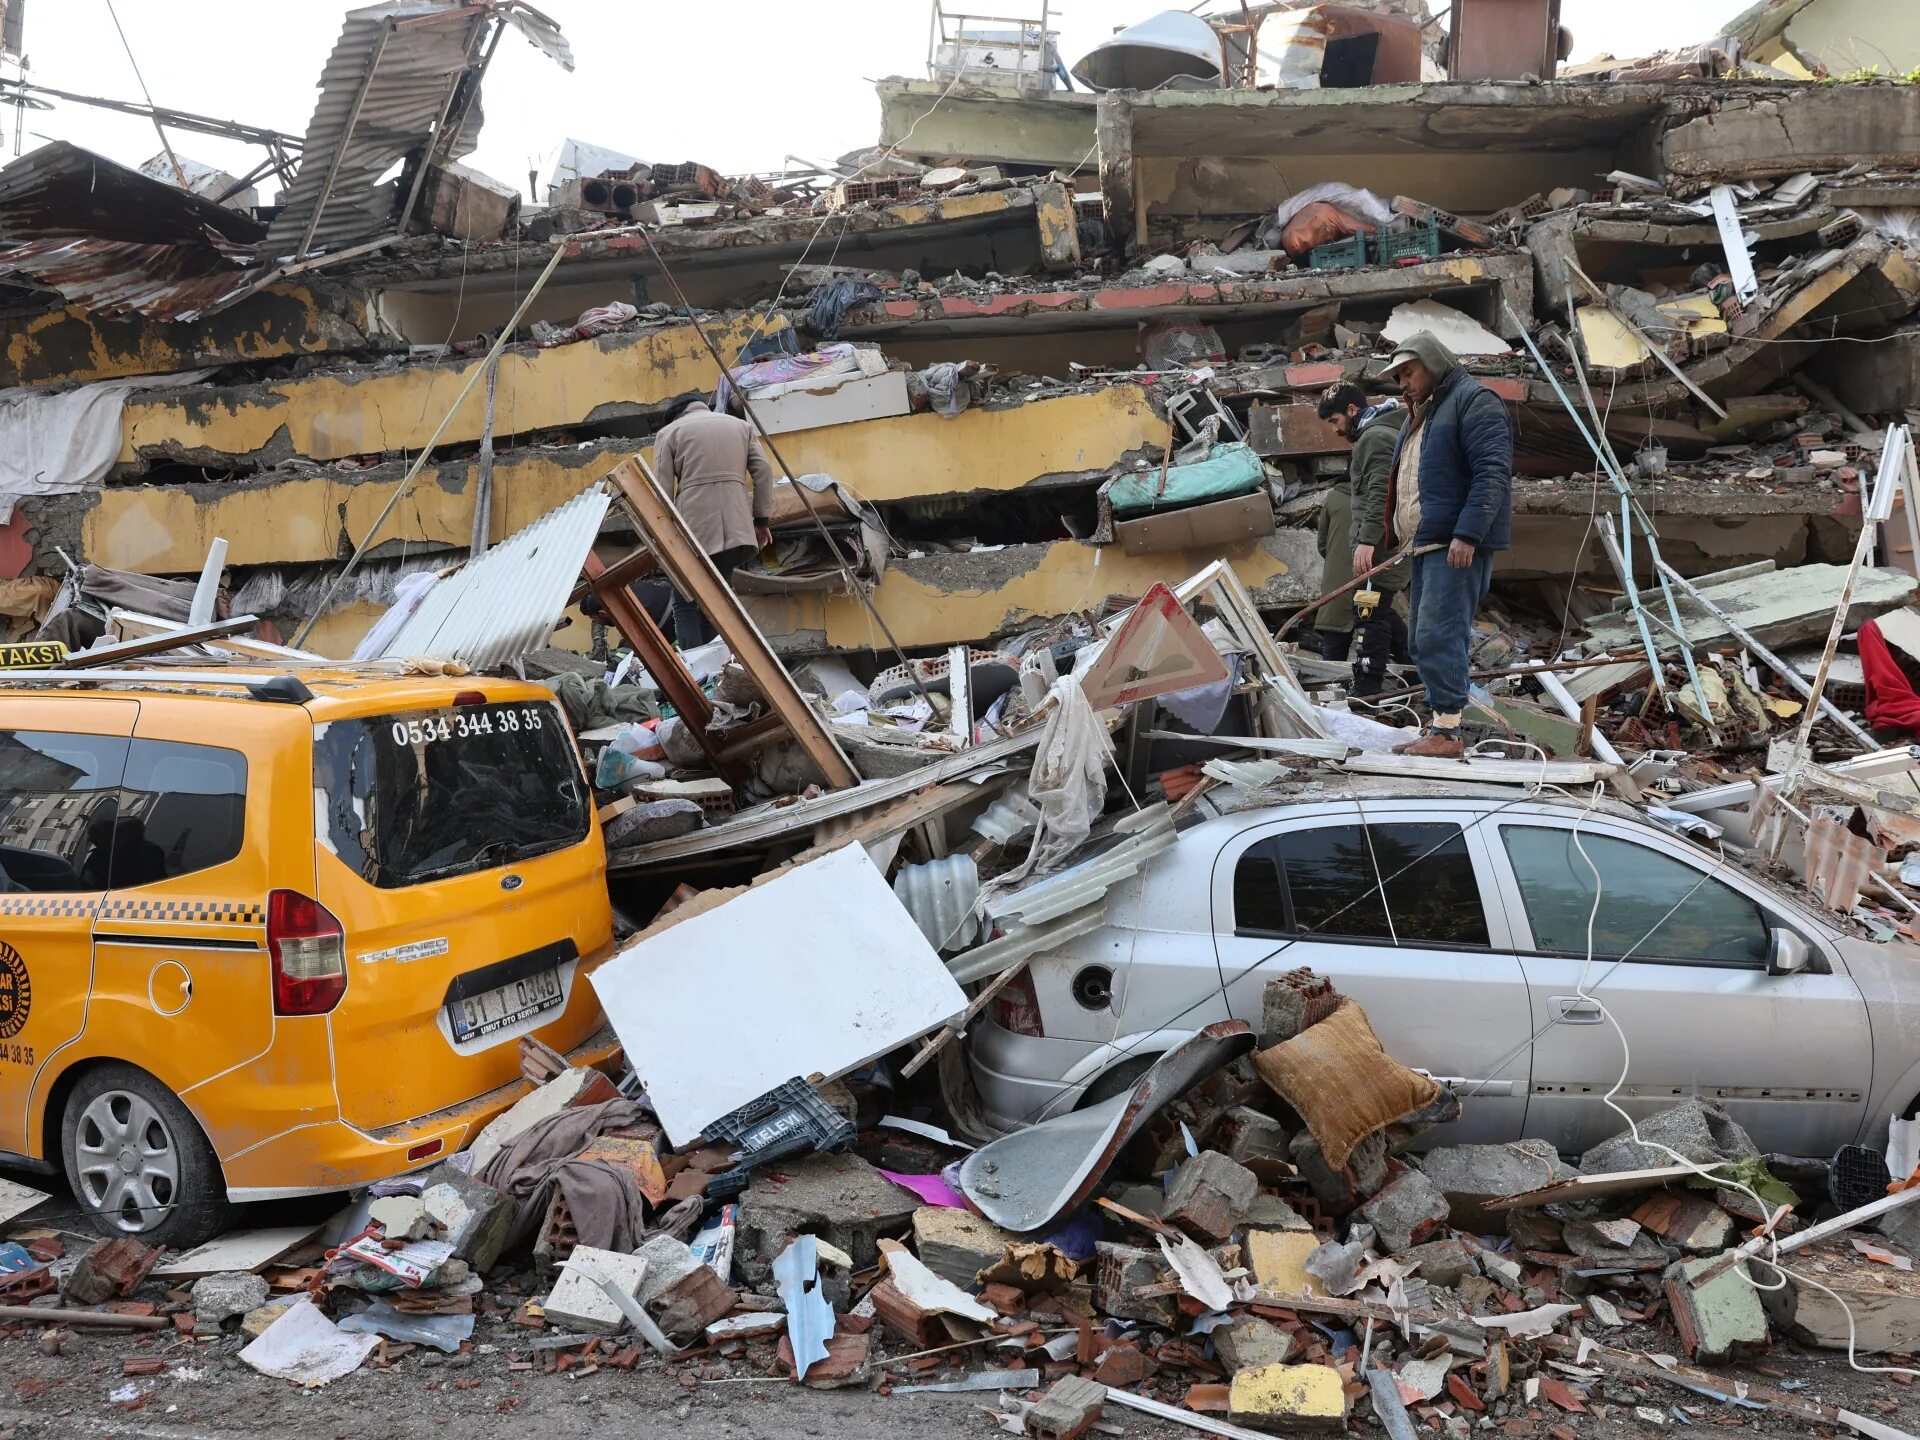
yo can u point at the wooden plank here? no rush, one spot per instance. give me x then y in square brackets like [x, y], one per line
[663, 663]
[694, 576]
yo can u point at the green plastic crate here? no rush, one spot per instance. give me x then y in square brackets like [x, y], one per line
[1416, 242]
[1341, 255]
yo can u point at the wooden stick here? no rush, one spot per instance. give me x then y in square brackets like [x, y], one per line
[105, 1319]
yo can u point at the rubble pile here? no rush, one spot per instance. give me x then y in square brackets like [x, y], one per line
[1262, 1230]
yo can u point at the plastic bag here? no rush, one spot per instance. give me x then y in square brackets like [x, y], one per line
[1181, 345]
[632, 755]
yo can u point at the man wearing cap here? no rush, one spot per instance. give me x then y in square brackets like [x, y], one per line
[1450, 484]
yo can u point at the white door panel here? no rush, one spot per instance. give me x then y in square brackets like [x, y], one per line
[1697, 1014]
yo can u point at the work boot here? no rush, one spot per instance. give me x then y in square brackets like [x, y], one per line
[1436, 743]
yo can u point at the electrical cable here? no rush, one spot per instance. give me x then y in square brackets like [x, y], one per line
[1772, 1258]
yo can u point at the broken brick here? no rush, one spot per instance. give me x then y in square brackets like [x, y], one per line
[1123, 1366]
[110, 1268]
[1209, 1196]
[1288, 1397]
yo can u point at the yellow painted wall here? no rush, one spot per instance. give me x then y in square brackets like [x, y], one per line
[165, 529]
[70, 344]
[1064, 577]
[914, 457]
[327, 417]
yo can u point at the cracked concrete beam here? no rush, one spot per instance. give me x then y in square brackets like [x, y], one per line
[1807, 127]
[330, 415]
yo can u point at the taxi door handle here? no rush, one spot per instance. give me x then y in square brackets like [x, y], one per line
[1574, 1010]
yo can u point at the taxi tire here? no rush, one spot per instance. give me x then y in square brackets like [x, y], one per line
[201, 1210]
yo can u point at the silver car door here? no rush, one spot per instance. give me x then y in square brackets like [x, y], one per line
[1787, 1055]
[1420, 956]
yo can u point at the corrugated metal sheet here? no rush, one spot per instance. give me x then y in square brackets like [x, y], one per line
[432, 43]
[941, 895]
[112, 277]
[508, 601]
[62, 190]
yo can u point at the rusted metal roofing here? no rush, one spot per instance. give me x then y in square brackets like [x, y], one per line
[386, 89]
[115, 277]
[61, 189]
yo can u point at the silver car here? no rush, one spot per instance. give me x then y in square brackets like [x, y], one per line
[1459, 922]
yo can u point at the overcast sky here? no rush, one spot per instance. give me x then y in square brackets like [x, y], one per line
[738, 84]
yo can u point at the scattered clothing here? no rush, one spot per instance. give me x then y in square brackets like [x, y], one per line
[832, 301]
[1891, 701]
[609, 1212]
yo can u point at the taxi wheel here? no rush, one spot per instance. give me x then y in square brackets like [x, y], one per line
[138, 1162]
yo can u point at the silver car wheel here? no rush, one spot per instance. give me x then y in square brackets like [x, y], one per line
[128, 1161]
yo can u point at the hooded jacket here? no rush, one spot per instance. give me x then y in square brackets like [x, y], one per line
[1466, 458]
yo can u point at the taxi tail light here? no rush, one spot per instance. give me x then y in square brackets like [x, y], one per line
[1017, 1007]
[309, 953]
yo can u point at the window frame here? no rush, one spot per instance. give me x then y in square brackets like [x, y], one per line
[1521, 922]
[1234, 854]
[238, 757]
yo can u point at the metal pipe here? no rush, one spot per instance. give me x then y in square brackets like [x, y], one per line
[346, 134]
[1786, 671]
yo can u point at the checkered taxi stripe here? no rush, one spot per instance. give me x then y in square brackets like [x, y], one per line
[46, 905]
[214, 912]
[223, 912]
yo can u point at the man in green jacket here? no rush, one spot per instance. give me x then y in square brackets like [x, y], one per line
[1374, 429]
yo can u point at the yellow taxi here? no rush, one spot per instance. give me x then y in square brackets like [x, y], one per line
[269, 932]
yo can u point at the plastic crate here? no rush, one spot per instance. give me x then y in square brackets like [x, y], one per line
[1415, 242]
[1341, 255]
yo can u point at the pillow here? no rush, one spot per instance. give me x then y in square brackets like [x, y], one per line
[1342, 1082]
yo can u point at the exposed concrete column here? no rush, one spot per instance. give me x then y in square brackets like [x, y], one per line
[1114, 131]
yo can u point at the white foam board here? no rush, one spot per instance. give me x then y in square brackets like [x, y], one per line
[817, 971]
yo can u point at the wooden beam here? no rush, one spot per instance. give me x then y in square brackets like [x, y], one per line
[693, 575]
[663, 663]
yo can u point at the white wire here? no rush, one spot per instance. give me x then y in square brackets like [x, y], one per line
[1772, 1258]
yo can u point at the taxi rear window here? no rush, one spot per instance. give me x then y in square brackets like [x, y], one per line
[429, 794]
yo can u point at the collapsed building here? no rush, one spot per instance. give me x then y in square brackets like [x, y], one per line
[1085, 313]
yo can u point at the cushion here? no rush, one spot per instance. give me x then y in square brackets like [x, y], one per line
[1342, 1082]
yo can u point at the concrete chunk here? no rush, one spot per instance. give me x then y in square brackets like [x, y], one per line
[1718, 1318]
[1068, 1409]
[1250, 1344]
[1278, 1260]
[1209, 1196]
[957, 1244]
[218, 1298]
[1285, 1398]
[840, 1198]
[1471, 1175]
[1408, 1211]
[577, 1303]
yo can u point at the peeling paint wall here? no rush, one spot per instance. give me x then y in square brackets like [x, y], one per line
[165, 529]
[327, 417]
[955, 599]
[70, 345]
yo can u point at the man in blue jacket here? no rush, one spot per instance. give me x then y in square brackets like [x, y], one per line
[1451, 485]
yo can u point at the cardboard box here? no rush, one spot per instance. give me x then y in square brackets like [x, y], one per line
[1198, 527]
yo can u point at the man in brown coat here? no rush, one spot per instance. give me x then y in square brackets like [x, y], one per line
[723, 487]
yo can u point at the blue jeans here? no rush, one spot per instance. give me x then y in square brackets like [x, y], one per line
[1444, 602]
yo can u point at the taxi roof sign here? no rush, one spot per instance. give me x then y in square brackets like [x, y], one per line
[31, 654]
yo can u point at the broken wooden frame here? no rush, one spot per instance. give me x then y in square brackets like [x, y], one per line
[1222, 588]
[691, 572]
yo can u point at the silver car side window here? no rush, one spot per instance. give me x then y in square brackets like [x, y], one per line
[1345, 881]
[1652, 908]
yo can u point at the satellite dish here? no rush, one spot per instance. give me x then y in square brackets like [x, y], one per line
[1146, 56]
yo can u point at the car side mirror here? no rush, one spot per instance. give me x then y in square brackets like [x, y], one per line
[1788, 952]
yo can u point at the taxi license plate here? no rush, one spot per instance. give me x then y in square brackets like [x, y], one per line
[495, 1010]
